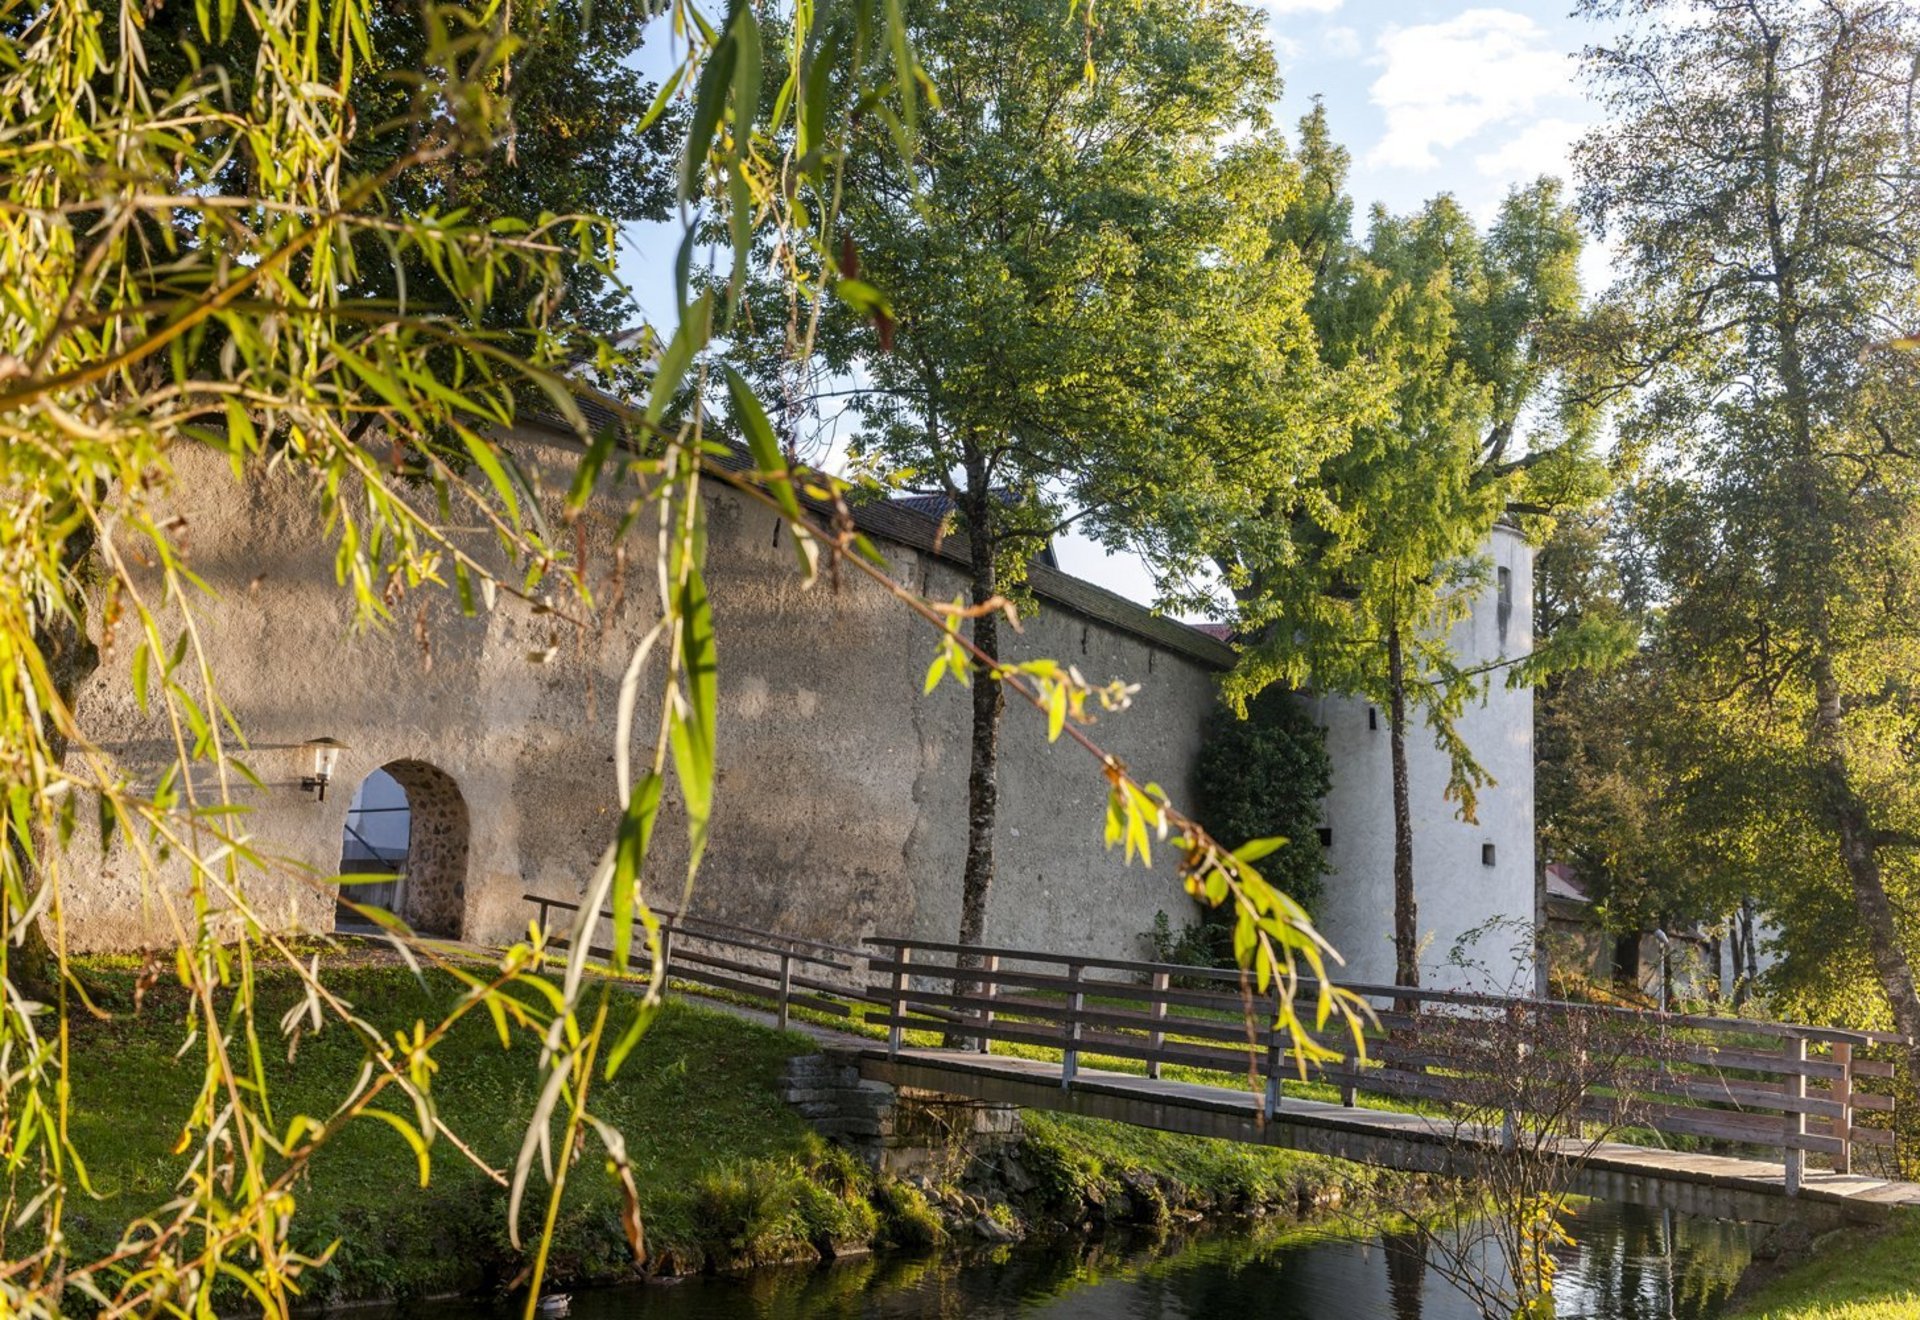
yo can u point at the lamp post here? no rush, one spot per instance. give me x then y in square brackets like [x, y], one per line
[322, 755]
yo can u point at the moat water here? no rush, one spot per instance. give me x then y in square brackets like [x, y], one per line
[1626, 1263]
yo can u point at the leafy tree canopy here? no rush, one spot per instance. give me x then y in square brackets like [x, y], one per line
[1071, 305]
[1758, 173]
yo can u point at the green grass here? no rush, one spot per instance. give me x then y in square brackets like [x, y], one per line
[1853, 1277]
[1070, 1154]
[698, 1101]
[728, 1174]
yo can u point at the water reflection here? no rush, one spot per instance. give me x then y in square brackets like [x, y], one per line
[1406, 1259]
[1627, 1264]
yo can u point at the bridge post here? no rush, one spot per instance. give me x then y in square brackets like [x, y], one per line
[1796, 1158]
[1843, 1092]
[986, 1013]
[786, 986]
[1158, 1039]
[1076, 1000]
[897, 1009]
[666, 954]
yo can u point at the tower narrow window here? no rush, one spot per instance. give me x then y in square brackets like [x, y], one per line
[1505, 577]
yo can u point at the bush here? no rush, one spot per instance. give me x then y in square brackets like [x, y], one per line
[1207, 942]
[906, 1218]
[743, 1215]
[1262, 777]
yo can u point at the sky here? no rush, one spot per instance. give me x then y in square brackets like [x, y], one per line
[1429, 96]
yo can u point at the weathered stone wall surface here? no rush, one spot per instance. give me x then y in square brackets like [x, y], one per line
[841, 801]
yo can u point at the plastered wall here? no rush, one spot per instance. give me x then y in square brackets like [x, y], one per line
[1456, 891]
[841, 797]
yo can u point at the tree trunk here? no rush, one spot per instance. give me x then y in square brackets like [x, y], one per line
[1743, 959]
[1838, 797]
[1406, 916]
[983, 787]
[1542, 972]
[1848, 814]
[1750, 939]
[989, 700]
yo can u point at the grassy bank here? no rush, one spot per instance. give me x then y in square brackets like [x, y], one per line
[726, 1171]
[728, 1175]
[1852, 1276]
[1095, 1161]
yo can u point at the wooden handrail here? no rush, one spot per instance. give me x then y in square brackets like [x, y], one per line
[1722, 1078]
[724, 932]
[1718, 1078]
[1463, 998]
[778, 983]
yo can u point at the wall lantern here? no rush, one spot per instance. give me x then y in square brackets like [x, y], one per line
[322, 755]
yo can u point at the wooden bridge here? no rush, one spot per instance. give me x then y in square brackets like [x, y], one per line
[1779, 1120]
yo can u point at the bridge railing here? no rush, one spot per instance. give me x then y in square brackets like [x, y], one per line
[1803, 1090]
[782, 970]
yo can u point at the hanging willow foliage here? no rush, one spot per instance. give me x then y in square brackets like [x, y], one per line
[176, 270]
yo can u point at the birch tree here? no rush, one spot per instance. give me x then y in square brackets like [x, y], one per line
[1760, 173]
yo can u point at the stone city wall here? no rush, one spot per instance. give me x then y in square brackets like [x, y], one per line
[841, 795]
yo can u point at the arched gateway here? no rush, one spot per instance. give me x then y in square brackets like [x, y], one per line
[409, 819]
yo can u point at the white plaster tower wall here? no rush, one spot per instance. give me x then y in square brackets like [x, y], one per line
[1464, 873]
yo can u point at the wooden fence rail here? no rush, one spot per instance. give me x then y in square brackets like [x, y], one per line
[1801, 1089]
[724, 956]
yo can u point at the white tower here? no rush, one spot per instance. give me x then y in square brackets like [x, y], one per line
[1464, 874]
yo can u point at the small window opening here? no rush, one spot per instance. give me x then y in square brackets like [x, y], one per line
[1486, 854]
[1506, 600]
[1326, 836]
[1373, 717]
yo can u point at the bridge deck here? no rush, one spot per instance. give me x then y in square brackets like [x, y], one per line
[1719, 1185]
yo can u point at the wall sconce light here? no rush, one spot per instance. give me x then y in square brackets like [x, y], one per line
[322, 755]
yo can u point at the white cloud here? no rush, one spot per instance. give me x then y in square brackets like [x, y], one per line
[1542, 147]
[1442, 83]
[1343, 43]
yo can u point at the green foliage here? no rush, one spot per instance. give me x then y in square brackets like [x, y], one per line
[1073, 329]
[1749, 171]
[743, 1215]
[701, 1094]
[570, 147]
[1070, 1156]
[1855, 1274]
[1453, 343]
[1451, 352]
[1201, 943]
[907, 1219]
[1262, 774]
